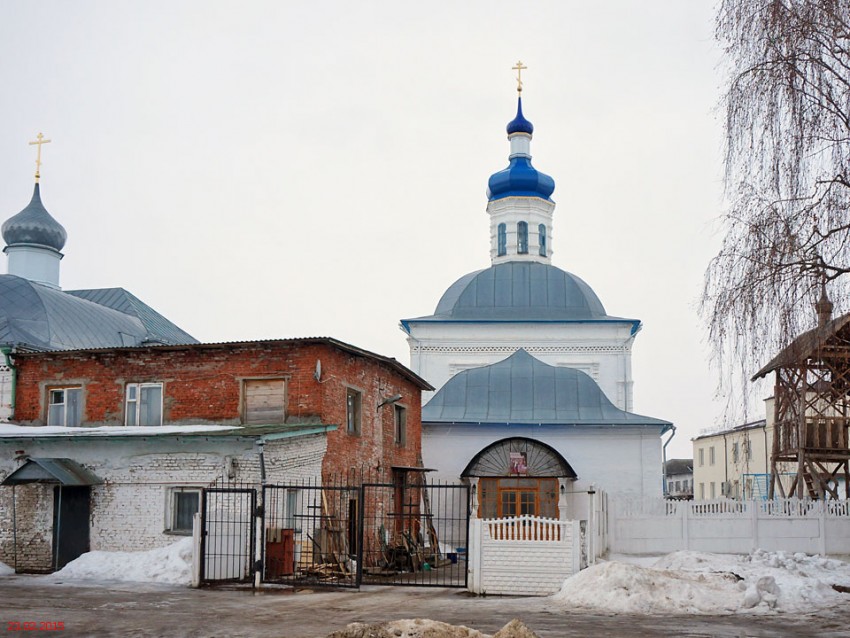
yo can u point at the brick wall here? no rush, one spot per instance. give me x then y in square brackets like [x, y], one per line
[205, 385]
[31, 508]
[131, 510]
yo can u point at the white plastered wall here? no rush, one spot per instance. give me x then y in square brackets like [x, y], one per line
[603, 350]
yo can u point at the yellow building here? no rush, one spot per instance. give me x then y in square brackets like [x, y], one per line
[735, 463]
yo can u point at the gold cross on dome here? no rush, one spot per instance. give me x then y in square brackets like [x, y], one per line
[39, 140]
[519, 68]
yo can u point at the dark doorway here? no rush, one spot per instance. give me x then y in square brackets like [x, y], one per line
[71, 510]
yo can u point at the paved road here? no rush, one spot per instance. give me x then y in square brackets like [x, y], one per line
[127, 609]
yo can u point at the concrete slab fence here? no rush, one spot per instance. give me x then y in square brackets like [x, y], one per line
[526, 555]
[657, 526]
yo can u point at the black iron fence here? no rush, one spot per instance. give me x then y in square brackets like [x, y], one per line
[414, 533]
[227, 534]
[405, 532]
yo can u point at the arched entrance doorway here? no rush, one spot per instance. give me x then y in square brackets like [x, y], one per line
[518, 476]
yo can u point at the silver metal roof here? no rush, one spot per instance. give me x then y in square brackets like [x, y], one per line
[159, 329]
[48, 470]
[520, 291]
[524, 390]
[34, 226]
[38, 317]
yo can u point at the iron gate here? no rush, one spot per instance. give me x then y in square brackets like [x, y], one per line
[414, 534]
[310, 535]
[227, 534]
[340, 536]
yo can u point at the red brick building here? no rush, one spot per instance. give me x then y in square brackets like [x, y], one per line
[374, 401]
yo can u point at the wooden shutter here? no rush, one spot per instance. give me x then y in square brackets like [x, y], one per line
[265, 401]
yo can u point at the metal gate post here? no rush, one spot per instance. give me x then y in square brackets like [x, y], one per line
[361, 515]
[203, 565]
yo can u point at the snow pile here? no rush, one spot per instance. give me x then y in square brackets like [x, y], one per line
[702, 583]
[418, 628]
[5, 570]
[171, 564]
[424, 628]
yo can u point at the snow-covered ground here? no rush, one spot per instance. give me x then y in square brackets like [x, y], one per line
[5, 570]
[702, 583]
[678, 583]
[171, 564]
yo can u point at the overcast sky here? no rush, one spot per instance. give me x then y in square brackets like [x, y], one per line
[281, 169]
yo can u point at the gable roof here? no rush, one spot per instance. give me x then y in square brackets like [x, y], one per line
[158, 327]
[818, 341]
[523, 390]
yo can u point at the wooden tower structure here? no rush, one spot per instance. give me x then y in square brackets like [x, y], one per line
[812, 410]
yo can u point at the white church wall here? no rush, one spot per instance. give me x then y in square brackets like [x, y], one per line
[36, 264]
[439, 350]
[624, 461]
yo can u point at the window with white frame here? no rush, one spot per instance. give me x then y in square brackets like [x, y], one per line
[735, 452]
[184, 503]
[711, 455]
[702, 456]
[64, 406]
[144, 404]
[702, 491]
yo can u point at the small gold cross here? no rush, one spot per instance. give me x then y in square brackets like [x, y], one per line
[39, 141]
[519, 68]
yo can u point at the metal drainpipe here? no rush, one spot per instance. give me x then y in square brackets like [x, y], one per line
[664, 457]
[6, 352]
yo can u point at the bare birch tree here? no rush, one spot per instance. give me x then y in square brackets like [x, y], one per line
[787, 166]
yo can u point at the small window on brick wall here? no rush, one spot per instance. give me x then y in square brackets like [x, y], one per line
[400, 425]
[184, 504]
[353, 410]
[64, 407]
[265, 401]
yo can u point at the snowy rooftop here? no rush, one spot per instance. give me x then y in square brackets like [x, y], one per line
[11, 431]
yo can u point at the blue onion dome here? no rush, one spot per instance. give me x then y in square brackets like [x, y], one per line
[520, 179]
[519, 124]
[34, 226]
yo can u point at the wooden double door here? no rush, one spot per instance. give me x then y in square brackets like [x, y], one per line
[504, 497]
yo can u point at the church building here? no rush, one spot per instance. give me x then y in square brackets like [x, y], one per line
[37, 315]
[533, 376]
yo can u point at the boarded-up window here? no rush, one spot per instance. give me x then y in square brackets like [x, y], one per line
[265, 401]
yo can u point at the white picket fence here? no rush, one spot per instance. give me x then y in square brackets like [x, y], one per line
[657, 526]
[526, 555]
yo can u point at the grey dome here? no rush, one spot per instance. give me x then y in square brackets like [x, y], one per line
[520, 291]
[523, 390]
[34, 226]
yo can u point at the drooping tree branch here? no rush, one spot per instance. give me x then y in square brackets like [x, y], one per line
[787, 225]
